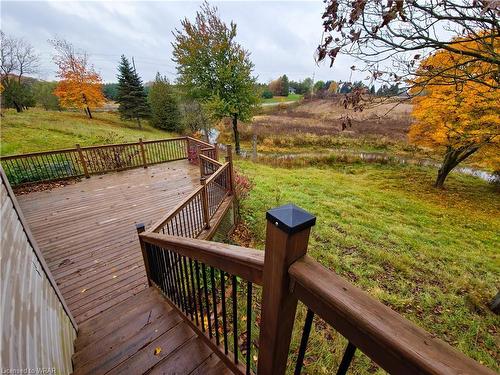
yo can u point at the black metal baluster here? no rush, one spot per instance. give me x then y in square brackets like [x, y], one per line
[214, 298]
[235, 318]
[197, 268]
[207, 303]
[193, 288]
[181, 282]
[171, 276]
[249, 325]
[154, 253]
[223, 302]
[346, 359]
[303, 341]
[177, 280]
[161, 264]
[186, 274]
[167, 276]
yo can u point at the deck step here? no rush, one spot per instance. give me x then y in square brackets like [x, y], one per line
[143, 334]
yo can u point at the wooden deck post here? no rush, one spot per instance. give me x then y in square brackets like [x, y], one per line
[187, 148]
[229, 159]
[287, 236]
[204, 201]
[141, 228]
[200, 162]
[143, 153]
[216, 148]
[82, 160]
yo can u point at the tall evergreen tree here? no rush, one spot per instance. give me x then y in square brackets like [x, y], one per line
[131, 94]
[285, 88]
[164, 107]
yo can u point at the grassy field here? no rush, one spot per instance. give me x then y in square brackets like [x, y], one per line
[280, 99]
[432, 255]
[39, 130]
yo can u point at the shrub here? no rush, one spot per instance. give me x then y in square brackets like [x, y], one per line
[267, 94]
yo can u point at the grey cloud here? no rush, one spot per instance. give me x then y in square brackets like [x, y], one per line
[281, 36]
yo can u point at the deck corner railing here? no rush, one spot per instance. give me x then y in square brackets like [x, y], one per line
[213, 286]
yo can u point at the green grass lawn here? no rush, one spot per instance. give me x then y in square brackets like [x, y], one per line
[279, 99]
[39, 130]
[432, 255]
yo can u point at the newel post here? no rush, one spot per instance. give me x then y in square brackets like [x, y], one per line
[141, 228]
[204, 202]
[143, 153]
[216, 152]
[287, 236]
[229, 159]
[82, 160]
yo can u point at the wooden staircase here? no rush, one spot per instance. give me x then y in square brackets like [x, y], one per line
[143, 334]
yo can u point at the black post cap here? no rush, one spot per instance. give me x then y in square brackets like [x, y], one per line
[290, 218]
[140, 227]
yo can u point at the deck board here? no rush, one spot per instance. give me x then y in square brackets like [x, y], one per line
[86, 230]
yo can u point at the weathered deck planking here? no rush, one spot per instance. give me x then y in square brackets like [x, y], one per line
[86, 231]
[143, 334]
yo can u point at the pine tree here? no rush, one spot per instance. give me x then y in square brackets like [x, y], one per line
[164, 107]
[131, 95]
[285, 88]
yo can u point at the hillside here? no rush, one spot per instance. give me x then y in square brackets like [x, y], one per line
[39, 130]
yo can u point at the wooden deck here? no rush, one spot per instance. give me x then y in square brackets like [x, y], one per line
[87, 234]
[86, 231]
[142, 334]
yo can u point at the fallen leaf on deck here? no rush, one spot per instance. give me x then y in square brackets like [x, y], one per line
[157, 351]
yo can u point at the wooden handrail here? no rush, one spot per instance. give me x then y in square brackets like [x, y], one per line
[217, 173]
[161, 222]
[210, 160]
[39, 153]
[393, 342]
[200, 141]
[236, 260]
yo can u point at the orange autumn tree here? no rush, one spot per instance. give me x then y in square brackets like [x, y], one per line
[80, 86]
[456, 106]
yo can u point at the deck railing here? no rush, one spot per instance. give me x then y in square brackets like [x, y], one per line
[196, 148]
[85, 161]
[211, 284]
[194, 214]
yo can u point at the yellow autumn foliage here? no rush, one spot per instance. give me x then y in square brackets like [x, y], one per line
[457, 104]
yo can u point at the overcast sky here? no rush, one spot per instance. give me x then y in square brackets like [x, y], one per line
[281, 36]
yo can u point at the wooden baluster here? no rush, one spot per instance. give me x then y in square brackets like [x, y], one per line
[287, 236]
[82, 160]
[204, 202]
[143, 153]
[141, 228]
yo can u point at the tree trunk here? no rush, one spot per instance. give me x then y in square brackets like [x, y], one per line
[452, 158]
[139, 123]
[236, 134]
[18, 107]
[89, 113]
